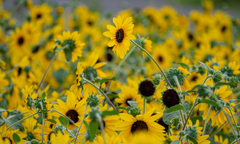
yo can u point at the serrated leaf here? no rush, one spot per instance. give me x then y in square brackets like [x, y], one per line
[107, 79]
[175, 142]
[207, 101]
[175, 108]
[16, 138]
[168, 116]
[192, 139]
[60, 75]
[109, 113]
[52, 121]
[63, 121]
[220, 84]
[204, 66]
[93, 129]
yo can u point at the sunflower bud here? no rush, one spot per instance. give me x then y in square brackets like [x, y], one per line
[192, 131]
[201, 69]
[181, 133]
[233, 82]
[156, 79]
[34, 141]
[211, 71]
[217, 76]
[170, 98]
[92, 100]
[194, 67]
[146, 88]
[175, 72]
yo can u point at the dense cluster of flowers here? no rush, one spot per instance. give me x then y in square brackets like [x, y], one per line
[145, 76]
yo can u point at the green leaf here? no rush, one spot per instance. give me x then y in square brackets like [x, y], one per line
[192, 139]
[60, 75]
[16, 138]
[132, 103]
[52, 121]
[43, 96]
[2, 110]
[175, 142]
[175, 108]
[194, 119]
[108, 113]
[207, 101]
[121, 108]
[87, 126]
[168, 116]
[205, 66]
[68, 54]
[220, 84]
[107, 79]
[112, 96]
[93, 129]
[232, 100]
[63, 121]
[12, 121]
[44, 111]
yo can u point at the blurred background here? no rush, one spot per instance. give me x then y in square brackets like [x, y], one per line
[232, 7]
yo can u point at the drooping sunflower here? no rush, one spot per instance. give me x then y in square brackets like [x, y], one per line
[73, 109]
[120, 35]
[129, 94]
[73, 46]
[141, 123]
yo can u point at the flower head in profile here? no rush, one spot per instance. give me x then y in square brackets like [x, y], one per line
[120, 35]
[72, 46]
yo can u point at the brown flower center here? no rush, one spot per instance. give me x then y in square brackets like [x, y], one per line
[139, 126]
[73, 115]
[6, 138]
[38, 16]
[194, 78]
[147, 88]
[126, 102]
[170, 98]
[120, 35]
[20, 40]
[160, 59]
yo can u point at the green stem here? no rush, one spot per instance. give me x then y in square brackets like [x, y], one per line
[109, 101]
[190, 112]
[229, 120]
[205, 124]
[235, 124]
[21, 121]
[64, 116]
[206, 79]
[42, 124]
[119, 66]
[70, 133]
[144, 105]
[82, 139]
[102, 127]
[81, 124]
[217, 130]
[153, 60]
[182, 116]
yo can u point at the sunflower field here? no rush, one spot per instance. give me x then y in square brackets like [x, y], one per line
[140, 76]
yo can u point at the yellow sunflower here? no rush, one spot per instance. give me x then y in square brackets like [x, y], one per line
[220, 139]
[73, 46]
[141, 123]
[163, 57]
[120, 35]
[147, 45]
[60, 138]
[41, 14]
[235, 67]
[129, 94]
[73, 109]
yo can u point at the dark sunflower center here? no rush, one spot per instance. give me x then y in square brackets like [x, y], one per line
[20, 40]
[198, 44]
[190, 36]
[224, 28]
[73, 115]
[139, 126]
[161, 122]
[51, 126]
[109, 57]
[38, 16]
[35, 49]
[170, 98]
[194, 78]
[160, 59]
[126, 102]
[90, 23]
[49, 135]
[99, 128]
[120, 35]
[166, 17]
[19, 71]
[147, 88]
[6, 138]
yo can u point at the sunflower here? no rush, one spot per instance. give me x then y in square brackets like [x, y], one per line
[32, 133]
[141, 123]
[60, 138]
[73, 109]
[220, 139]
[163, 57]
[129, 94]
[217, 118]
[235, 67]
[41, 14]
[120, 35]
[4, 82]
[74, 46]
